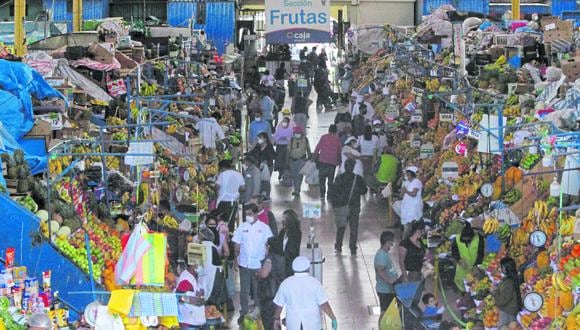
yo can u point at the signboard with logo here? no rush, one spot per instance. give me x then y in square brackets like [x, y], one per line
[297, 21]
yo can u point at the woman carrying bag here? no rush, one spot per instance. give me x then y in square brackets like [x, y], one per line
[298, 153]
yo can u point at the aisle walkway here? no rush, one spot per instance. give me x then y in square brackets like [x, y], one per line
[349, 280]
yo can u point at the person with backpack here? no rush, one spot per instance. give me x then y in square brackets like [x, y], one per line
[298, 153]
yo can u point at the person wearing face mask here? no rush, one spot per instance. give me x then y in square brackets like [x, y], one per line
[412, 203]
[257, 126]
[264, 154]
[468, 249]
[252, 179]
[281, 139]
[327, 155]
[385, 272]
[291, 237]
[379, 132]
[298, 153]
[191, 307]
[211, 276]
[266, 215]
[219, 228]
[350, 151]
[250, 240]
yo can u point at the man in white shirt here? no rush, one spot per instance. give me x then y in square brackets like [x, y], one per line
[267, 79]
[210, 130]
[228, 185]
[370, 112]
[303, 297]
[250, 249]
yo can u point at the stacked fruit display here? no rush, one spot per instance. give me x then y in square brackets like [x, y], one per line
[104, 243]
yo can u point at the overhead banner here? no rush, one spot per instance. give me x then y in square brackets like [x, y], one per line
[297, 21]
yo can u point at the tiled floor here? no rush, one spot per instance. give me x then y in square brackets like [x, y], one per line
[348, 280]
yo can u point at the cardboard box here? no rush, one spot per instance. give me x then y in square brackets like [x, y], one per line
[102, 53]
[558, 30]
[571, 68]
[41, 127]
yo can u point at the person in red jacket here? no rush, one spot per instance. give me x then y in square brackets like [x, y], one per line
[327, 155]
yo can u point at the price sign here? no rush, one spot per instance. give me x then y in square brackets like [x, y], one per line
[462, 128]
[311, 210]
[434, 73]
[392, 112]
[302, 83]
[474, 134]
[417, 91]
[416, 119]
[446, 117]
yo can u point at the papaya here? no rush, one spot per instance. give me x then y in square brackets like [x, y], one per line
[543, 260]
[566, 300]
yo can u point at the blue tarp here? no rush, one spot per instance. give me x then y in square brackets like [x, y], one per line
[8, 144]
[18, 82]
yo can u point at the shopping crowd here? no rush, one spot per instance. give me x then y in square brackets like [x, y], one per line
[354, 158]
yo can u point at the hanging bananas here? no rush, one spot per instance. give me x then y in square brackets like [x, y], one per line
[490, 226]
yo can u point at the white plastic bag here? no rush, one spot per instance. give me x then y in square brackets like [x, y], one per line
[308, 168]
[312, 178]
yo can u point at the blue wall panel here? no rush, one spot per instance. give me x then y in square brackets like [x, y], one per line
[220, 20]
[92, 9]
[478, 6]
[558, 6]
[18, 229]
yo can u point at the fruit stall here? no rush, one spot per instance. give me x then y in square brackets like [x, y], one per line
[139, 162]
[497, 149]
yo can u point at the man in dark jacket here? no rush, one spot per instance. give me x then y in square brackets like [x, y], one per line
[345, 196]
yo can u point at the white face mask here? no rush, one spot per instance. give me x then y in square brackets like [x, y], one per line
[355, 145]
[297, 136]
[258, 118]
[250, 219]
[377, 129]
[284, 124]
[261, 141]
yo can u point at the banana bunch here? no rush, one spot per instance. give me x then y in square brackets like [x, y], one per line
[539, 211]
[145, 191]
[490, 226]
[148, 216]
[512, 111]
[155, 196]
[115, 121]
[169, 221]
[567, 226]
[148, 90]
[559, 282]
[113, 162]
[171, 129]
[520, 237]
[211, 170]
[512, 196]
[432, 84]
[55, 166]
[504, 233]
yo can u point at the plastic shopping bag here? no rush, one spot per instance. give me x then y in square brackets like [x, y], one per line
[391, 319]
[309, 167]
[397, 207]
[312, 178]
[253, 323]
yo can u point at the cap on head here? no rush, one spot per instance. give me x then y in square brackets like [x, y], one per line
[377, 122]
[413, 169]
[301, 264]
[349, 140]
